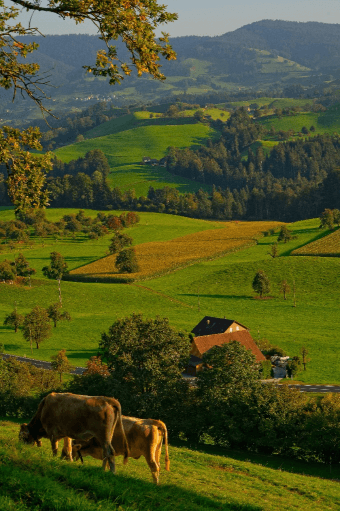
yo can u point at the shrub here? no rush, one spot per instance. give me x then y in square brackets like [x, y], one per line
[126, 261]
[266, 369]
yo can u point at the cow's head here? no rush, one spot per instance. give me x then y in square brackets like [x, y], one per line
[26, 436]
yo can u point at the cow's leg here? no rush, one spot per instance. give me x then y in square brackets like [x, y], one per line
[151, 459]
[153, 467]
[104, 465]
[159, 452]
[54, 445]
[67, 449]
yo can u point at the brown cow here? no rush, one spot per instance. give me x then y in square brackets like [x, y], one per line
[144, 437]
[71, 416]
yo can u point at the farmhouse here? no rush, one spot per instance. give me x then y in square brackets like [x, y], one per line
[212, 332]
[153, 161]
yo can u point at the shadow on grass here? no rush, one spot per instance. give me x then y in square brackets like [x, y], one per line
[81, 354]
[233, 297]
[274, 461]
[11, 347]
[57, 489]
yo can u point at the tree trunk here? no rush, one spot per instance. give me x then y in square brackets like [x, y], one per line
[59, 286]
[37, 345]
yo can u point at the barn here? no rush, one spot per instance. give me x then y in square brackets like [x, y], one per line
[212, 332]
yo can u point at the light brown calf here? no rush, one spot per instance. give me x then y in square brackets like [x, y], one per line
[144, 437]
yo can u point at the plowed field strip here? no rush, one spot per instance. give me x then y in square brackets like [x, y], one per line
[327, 246]
[156, 258]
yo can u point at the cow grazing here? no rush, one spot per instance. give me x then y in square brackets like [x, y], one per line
[144, 437]
[83, 417]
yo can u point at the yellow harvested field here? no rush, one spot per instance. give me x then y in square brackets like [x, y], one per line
[327, 246]
[160, 257]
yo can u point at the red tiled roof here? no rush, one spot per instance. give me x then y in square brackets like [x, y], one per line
[206, 342]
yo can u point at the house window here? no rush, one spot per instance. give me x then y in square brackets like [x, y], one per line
[231, 329]
[237, 328]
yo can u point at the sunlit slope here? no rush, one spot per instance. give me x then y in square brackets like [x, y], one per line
[125, 148]
[31, 479]
[166, 256]
[323, 122]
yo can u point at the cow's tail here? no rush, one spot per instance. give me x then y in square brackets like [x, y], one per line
[162, 427]
[120, 427]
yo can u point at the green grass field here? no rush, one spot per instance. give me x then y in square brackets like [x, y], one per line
[222, 287]
[127, 139]
[324, 122]
[207, 479]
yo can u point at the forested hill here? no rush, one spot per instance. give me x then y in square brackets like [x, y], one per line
[312, 44]
[315, 45]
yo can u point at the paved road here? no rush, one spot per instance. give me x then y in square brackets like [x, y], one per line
[316, 388]
[80, 370]
[41, 363]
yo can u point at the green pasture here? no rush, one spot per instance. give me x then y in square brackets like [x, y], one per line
[292, 122]
[289, 102]
[221, 287]
[201, 480]
[274, 102]
[125, 148]
[278, 64]
[324, 122]
[214, 113]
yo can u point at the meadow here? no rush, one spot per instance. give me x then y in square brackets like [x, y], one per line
[125, 141]
[323, 122]
[205, 479]
[218, 287]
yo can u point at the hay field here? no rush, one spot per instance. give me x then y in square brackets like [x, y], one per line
[329, 246]
[156, 258]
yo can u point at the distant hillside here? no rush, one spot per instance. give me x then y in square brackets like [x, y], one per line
[266, 55]
[312, 44]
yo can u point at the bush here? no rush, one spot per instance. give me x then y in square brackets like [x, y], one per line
[266, 370]
[293, 366]
[126, 261]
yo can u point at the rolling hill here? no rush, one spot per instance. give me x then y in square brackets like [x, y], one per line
[202, 480]
[127, 139]
[219, 287]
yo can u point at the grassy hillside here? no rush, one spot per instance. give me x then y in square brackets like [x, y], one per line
[198, 480]
[220, 287]
[127, 139]
[324, 122]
